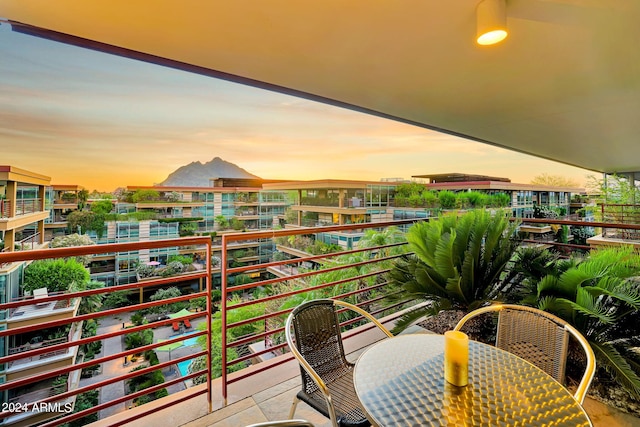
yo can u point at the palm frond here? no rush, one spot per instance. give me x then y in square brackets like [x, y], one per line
[570, 280]
[419, 237]
[467, 273]
[443, 256]
[625, 294]
[617, 366]
[587, 305]
[455, 291]
[493, 236]
[463, 227]
[551, 304]
[413, 315]
[547, 283]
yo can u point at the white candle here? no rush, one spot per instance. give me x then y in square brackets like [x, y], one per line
[456, 358]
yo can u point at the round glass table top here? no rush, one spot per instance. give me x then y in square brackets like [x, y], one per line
[400, 382]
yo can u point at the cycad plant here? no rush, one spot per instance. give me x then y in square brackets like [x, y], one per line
[458, 262]
[600, 296]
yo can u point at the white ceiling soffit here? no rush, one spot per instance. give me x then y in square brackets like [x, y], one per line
[565, 84]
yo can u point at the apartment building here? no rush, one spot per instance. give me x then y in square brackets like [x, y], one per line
[22, 207]
[60, 201]
[155, 212]
[524, 197]
[334, 201]
[23, 216]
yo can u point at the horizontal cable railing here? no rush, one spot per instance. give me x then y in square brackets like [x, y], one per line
[629, 232]
[257, 293]
[253, 325]
[37, 371]
[5, 208]
[266, 340]
[27, 206]
[620, 213]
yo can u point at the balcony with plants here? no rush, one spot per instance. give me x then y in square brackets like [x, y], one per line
[385, 275]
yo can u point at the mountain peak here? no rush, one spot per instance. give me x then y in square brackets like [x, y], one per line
[197, 174]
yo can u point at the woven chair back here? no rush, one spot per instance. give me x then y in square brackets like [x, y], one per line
[535, 338]
[317, 337]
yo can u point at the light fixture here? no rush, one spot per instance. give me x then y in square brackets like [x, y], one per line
[492, 22]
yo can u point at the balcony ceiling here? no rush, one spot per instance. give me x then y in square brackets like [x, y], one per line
[565, 85]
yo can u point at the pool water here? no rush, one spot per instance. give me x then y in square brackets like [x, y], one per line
[183, 367]
[190, 341]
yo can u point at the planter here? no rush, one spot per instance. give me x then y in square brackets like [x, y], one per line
[534, 229]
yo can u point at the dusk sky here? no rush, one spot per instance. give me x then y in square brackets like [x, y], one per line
[101, 121]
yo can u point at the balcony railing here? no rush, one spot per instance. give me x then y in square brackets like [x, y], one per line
[242, 344]
[201, 244]
[22, 207]
[5, 208]
[624, 214]
[365, 281]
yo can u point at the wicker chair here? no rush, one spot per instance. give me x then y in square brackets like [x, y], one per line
[540, 338]
[313, 335]
[283, 423]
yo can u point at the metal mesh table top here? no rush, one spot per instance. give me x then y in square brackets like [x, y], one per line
[400, 382]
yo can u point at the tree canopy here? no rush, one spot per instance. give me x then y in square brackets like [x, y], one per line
[554, 180]
[86, 220]
[74, 240]
[57, 275]
[103, 206]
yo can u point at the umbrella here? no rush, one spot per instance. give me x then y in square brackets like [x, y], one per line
[183, 312]
[154, 263]
[169, 347]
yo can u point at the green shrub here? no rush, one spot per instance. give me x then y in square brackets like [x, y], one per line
[151, 357]
[57, 275]
[181, 220]
[183, 259]
[138, 339]
[430, 198]
[499, 200]
[458, 262]
[84, 221]
[236, 224]
[145, 270]
[145, 196]
[187, 229]
[116, 299]
[102, 207]
[84, 401]
[447, 199]
[74, 240]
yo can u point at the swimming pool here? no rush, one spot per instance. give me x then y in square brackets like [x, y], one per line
[183, 367]
[187, 342]
[190, 341]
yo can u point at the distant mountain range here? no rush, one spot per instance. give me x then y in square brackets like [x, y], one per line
[197, 174]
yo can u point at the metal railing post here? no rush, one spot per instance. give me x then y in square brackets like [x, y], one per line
[223, 316]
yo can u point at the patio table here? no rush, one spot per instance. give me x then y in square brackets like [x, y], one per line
[400, 382]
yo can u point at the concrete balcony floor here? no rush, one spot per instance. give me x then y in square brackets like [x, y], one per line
[267, 396]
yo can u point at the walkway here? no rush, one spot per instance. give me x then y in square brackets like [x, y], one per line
[110, 369]
[116, 367]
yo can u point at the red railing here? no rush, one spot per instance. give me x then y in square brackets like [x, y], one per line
[199, 244]
[620, 213]
[624, 231]
[371, 296]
